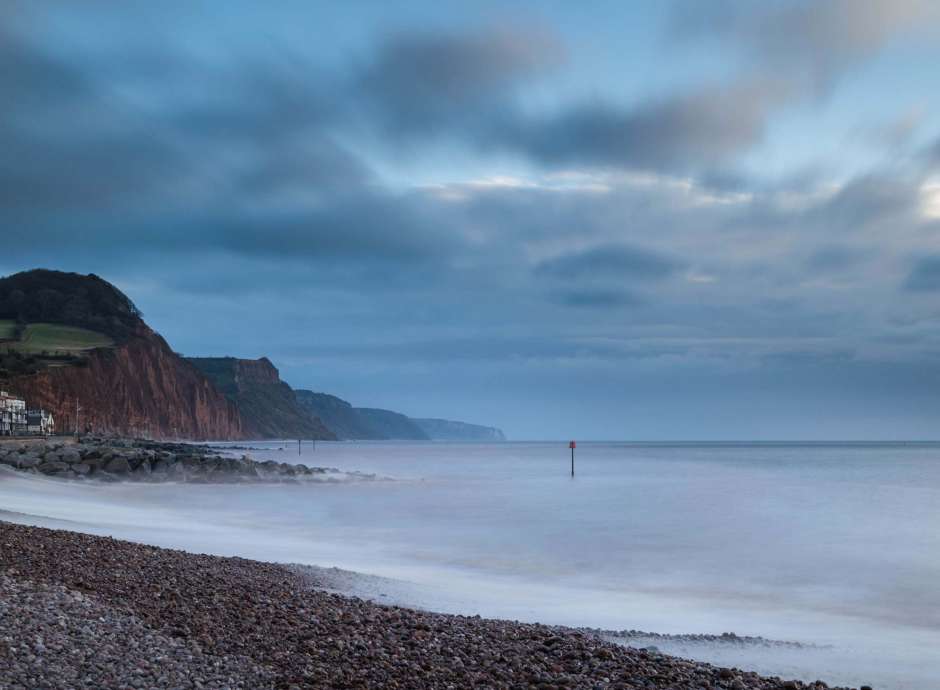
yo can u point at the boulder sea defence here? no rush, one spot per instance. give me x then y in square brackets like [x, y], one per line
[114, 460]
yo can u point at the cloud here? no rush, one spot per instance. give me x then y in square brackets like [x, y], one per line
[265, 189]
[608, 261]
[65, 143]
[815, 43]
[32, 78]
[467, 86]
[248, 130]
[924, 276]
[834, 258]
[597, 298]
[419, 81]
[684, 132]
[872, 199]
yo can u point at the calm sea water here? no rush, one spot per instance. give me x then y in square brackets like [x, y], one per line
[833, 545]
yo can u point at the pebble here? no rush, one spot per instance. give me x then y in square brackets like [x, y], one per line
[81, 611]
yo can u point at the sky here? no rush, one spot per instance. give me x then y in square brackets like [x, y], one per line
[643, 221]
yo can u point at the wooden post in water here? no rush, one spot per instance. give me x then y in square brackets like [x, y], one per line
[572, 447]
[298, 446]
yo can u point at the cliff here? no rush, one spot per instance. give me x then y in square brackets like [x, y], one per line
[339, 416]
[68, 339]
[391, 425]
[447, 430]
[370, 424]
[123, 376]
[267, 405]
[138, 388]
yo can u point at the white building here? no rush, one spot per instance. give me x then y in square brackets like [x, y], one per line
[12, 415]
[39, 422]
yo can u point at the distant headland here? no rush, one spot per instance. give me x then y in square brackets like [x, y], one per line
[78, 347]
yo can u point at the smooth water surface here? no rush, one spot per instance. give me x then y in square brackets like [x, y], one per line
[836, 545]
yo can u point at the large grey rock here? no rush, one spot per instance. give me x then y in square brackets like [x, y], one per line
[81, 468]
[52, 467]
[70, 456]
[161, 466]
[25, 462]
[118, 465]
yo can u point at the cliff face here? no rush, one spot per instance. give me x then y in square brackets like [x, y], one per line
[139, 388]
[447, 430]
[370, 424]
[339, 416]
[267, 406]
[391, 425]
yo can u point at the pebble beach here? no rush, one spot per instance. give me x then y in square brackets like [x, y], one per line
[81, 611]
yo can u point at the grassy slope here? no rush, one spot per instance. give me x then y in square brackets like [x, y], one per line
[51, 337]
[7, 329]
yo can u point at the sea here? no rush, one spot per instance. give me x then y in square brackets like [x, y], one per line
[833, 546]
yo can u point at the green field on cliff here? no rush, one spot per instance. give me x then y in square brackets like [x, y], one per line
[52, 338]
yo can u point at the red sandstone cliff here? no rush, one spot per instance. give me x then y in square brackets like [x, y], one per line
[268, 406]
[139, 388]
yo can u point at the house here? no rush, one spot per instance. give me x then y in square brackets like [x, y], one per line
[12, 415]
[39, 422]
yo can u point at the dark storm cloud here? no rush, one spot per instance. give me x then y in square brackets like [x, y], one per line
[467, 86]
[259, 99]
[31, 79]
[604, 277]
[869, 200]
[420, 81]
[216, 182]
[250, 130]
[360, 226]
[310, 167]
[608, 261]
[925, 275]
[65, 144]
[232, 169]
[696, 131]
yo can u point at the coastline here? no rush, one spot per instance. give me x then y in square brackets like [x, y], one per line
[268, 625]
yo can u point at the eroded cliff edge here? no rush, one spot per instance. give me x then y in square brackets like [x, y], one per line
[137, 388]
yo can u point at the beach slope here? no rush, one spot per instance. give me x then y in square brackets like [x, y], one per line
[86, 611]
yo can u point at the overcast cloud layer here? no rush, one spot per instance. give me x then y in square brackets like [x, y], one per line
[694, 220]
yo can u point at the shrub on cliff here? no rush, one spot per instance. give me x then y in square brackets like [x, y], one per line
[69, 298]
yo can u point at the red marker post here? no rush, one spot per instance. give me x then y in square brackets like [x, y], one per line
[572, 446]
